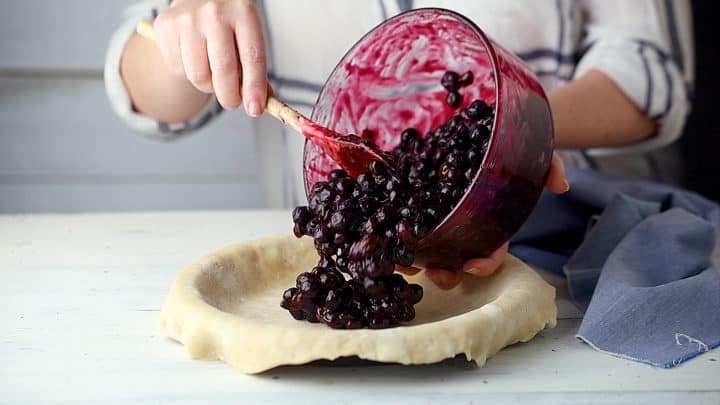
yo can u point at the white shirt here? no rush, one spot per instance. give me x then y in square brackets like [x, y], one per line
[645, 46]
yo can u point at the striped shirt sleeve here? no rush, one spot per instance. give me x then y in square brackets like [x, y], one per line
[118, 95]
[645, 46]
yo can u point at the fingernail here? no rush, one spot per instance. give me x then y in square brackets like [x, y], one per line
[480, 271]
[254, 109]
[566, 186]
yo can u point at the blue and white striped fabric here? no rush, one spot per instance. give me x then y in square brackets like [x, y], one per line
[645, 46]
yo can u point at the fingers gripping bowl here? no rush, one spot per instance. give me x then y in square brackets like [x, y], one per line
[389, 81]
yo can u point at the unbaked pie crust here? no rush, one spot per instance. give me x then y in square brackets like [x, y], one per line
[226, 306]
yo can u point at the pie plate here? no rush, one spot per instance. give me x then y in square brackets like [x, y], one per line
[226, 306]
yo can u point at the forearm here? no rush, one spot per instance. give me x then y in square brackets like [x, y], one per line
[153, 89]
[592, 111]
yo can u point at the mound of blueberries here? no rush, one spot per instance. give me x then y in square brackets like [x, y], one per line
[363, 227]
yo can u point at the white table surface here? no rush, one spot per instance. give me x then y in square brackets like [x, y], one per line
[80, 297]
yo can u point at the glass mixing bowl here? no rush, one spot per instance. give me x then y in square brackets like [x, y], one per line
[390, 80]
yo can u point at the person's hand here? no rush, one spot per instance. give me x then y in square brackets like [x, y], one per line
[446, 279]
[218, 46]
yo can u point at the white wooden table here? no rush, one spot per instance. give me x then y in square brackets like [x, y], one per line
[79, 303]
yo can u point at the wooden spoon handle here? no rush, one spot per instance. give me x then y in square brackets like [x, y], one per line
[146, 29]
[274, 107]
[285, 114]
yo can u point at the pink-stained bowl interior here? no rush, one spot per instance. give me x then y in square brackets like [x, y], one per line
[390, 81]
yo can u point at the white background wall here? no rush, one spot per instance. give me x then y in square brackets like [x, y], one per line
[62, 149]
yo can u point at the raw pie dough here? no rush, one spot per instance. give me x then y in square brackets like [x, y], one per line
[226, 306]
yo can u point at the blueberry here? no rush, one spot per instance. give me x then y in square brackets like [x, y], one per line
[342, 263]
[319, 186]
[324, 263]
[308, 284]
[406, 313]
[311, 317]
[296, 302]
[287, 297]
[365, 247]
[402, 291]
[454, 99]
[404, 257]
[298, 231]
[345, 186]
[417, 293]
[337, 174]
[408, 138]
[350, 321]
[379, 323]
[377, 168]
[469, 174]
[405, 234]
[478, 109]
[338, 221]
[329, 317]
[366, 182]
[301, 216]
[384, 215]
[331, 279]
[340, 240]
[466, 79]
[456, 158]
[367, 204]
[333, 299]
[407, 213]
[479, 134]
[388, 305]
[323, 234]
[452, 175]
[451, 81]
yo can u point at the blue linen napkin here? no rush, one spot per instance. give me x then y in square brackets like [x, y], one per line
[637, 257]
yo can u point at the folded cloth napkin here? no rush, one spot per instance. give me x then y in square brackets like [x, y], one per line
[637, 257]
